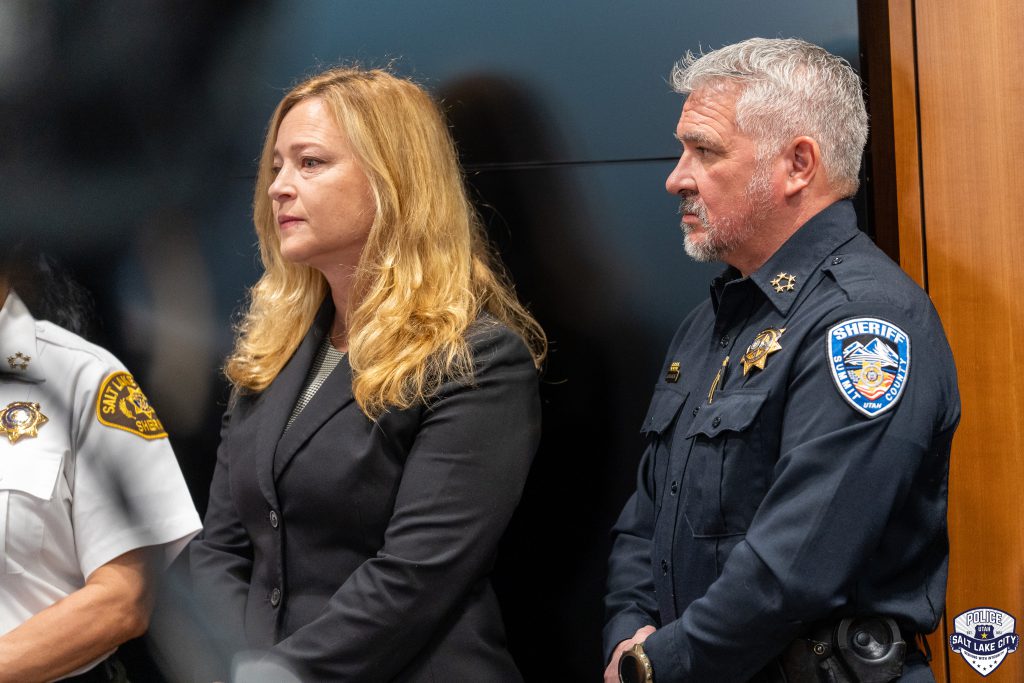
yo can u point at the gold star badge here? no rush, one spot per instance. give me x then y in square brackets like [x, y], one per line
[20, 419]
[18, 361]
[784, 282]
[766, 342]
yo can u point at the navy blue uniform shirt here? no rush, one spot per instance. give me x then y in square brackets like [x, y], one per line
[810, 483]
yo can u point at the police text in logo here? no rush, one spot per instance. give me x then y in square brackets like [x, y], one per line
[983, 637]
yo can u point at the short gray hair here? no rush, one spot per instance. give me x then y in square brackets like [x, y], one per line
[788, 88]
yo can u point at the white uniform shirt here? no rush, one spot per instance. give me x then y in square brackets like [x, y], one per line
[96, 479]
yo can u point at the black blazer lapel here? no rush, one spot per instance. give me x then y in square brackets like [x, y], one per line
[278, 400]
[332, 396]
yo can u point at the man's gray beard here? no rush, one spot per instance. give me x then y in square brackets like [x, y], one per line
[726, 234]
[712, 244]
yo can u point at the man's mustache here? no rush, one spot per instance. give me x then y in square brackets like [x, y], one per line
[692, 204]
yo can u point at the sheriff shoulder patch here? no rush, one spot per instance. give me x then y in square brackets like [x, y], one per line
[870, 363]
[122, 405]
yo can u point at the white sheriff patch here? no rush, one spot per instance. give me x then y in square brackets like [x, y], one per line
[870, 363]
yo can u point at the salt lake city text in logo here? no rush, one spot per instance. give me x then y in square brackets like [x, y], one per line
[983, 637]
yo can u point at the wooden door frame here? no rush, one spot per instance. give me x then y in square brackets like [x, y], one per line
[889, 69]
[888, 56]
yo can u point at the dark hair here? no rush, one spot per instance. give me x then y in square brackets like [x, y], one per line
[47, 288]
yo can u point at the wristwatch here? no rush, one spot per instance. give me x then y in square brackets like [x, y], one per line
[635, 667]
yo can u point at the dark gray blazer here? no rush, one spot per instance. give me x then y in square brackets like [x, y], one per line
[360, 551]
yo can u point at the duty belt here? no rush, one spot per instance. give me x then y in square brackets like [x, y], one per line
[851, 650]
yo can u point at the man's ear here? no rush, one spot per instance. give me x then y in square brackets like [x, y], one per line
[803, 161]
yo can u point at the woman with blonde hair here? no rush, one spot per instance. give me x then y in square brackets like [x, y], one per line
[385, 410]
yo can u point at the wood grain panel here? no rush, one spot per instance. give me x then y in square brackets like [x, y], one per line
[971, 98]
[910, 223]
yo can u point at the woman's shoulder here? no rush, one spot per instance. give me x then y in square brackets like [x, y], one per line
[489, 336]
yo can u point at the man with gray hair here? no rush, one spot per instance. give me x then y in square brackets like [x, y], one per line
[789, 521]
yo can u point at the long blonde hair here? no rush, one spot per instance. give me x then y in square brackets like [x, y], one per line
[425, 274]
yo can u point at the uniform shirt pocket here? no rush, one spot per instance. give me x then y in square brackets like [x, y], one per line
[28, 480]
[663, 410]
[728, 470]
[656, 429]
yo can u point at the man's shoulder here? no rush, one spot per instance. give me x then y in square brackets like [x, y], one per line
[864, 273]
[869, 295]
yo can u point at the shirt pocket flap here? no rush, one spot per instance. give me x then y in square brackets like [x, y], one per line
[664, 407]
[31, 471]
[732, 412]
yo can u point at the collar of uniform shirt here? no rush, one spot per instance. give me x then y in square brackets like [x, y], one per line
[804, 251]
[18, 341]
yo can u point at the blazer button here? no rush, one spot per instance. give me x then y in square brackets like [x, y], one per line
[696, 409]
[275, 597]
[274, 521]
[664, 567]
[717, 421]
[675, 488]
